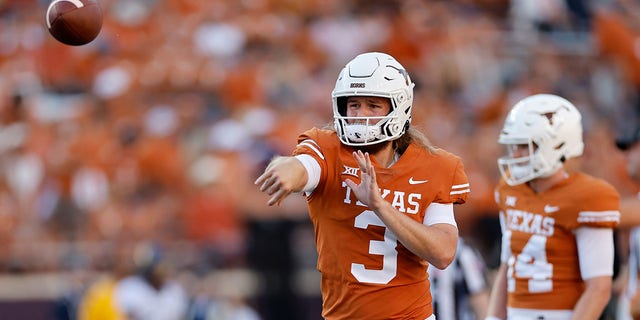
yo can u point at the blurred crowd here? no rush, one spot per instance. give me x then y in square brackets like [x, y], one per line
[155, 131]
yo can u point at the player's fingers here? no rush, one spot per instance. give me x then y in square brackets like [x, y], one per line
[359, 156]
[367, 161]
[262, 178]
[278, 197]
[273, 187]
[268, 183]
[350, 183]
[265, 184]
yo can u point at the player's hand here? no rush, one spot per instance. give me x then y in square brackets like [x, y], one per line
[277, 180]
[367, 191]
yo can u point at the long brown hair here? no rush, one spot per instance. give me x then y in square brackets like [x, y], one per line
[412, 135]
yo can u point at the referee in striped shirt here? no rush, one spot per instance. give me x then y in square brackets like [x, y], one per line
[461, 291]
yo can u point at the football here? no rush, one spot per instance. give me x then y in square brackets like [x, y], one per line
[74, 22]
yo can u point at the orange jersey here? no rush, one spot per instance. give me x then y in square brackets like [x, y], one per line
[538, 234]
[366, 272]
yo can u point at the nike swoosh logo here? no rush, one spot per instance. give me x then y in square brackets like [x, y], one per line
[411, 181]
[550, 209]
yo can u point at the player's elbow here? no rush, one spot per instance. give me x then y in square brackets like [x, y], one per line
[599, 287]
[443, 260]
[443, 251]
[442, 265]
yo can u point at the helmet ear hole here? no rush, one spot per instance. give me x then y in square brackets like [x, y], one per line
[391, 129]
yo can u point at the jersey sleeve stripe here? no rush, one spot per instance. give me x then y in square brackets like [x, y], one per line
[313, 146]
[460, 189]
[599, 216]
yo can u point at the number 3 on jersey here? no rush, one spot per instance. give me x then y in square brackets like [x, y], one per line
[386, 248]
[531, 264]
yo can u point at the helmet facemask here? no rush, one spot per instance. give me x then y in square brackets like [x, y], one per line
[359, 132]
[518, 169]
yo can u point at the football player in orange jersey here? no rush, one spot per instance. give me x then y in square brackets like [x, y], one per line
[557, 226]
[379, 195]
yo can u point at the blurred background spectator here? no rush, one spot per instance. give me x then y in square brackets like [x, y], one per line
[150, 291]
[155, 131]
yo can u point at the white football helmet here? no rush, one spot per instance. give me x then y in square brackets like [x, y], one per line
[551, 128]
[373, 74]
